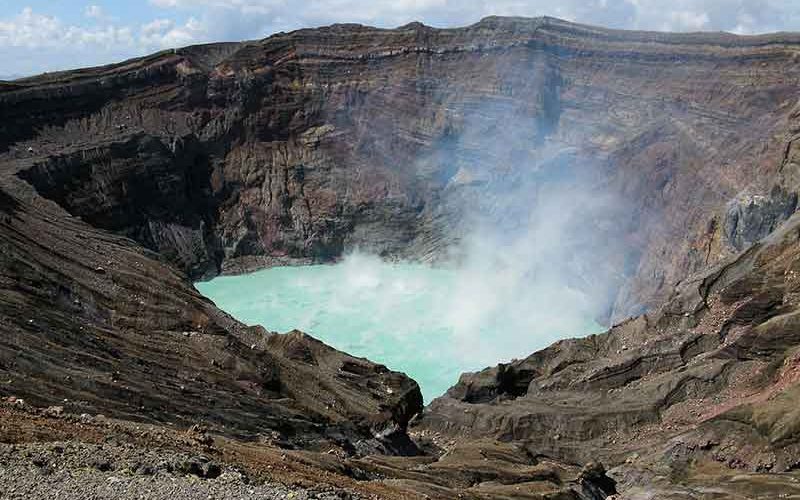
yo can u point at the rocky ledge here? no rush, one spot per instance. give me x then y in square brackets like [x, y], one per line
[702, 392]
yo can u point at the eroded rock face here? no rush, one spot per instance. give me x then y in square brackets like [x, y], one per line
[304, 145]
[752, 217]
[95, 318]
[708, 382]
[156, 193]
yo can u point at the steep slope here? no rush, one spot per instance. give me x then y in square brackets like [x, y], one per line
[97, 319]
[682, 399]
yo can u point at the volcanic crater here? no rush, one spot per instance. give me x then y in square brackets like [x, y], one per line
[121, 186]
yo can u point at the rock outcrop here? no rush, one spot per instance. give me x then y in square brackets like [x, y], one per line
[95, 318]
[709, 381]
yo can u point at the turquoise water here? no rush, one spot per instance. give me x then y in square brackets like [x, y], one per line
[431, 323]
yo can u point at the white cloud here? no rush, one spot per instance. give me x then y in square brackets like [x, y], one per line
[31, 42]
[27, 29]
[35, 31]
[94, 12]
[163, 33]
[687, 20]
[737, 16]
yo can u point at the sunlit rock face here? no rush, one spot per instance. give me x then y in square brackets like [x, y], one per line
[431, 323]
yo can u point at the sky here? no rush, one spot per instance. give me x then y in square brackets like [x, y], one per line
[47, 35]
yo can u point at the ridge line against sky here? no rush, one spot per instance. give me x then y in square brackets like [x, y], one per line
[47, 35]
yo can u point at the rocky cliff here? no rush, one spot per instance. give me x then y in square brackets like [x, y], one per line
[120, 185]
[303, 145]
[707, 382]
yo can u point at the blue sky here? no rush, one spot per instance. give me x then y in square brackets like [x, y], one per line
[46, 35]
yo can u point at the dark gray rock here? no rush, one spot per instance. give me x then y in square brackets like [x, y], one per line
[750, 217]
